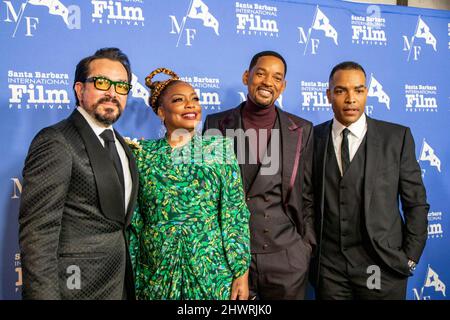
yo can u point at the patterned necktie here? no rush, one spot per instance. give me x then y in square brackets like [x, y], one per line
[345, 154]
[110, 146]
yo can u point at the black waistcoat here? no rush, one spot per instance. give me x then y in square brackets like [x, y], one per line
[271, 229]
[344, 231]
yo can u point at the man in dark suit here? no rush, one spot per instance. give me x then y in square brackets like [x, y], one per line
[79, 189]
[362, 167]
[275, 156]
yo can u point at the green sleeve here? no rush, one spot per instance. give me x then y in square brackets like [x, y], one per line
[234, 215]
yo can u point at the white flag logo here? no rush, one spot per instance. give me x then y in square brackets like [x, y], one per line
[433, 281]
[138, 90]
[55, 7]
[321, 22]
[423, 31]
[376, 90]
[427, 154]
[199, 10]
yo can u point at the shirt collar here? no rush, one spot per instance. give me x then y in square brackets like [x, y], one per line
[356, 128]
[96, 127]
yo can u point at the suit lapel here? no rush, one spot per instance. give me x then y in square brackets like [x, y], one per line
[372, 161]
[290, 151]
[322, 140]
[234, 121]
[134, 177]
[108, 185]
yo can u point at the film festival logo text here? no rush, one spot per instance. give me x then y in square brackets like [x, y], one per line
[314, 96]
[368, 30]
[70, 15]
[126, 13]
[38, 90]
[413, 47]
[197, 10]
[255, 19]
[421, 98]
[376, 90]
[320, 22]
[433, 287]
[435, 225]
[279, 101]
[206, 89]
[427, 153]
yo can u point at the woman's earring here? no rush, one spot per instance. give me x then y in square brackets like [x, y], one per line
[162, 130]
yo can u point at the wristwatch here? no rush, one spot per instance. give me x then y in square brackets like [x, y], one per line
[412, 266]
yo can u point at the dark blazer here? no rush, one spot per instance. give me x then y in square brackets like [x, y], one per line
[72, 216]
[391, 174]
[296, 147]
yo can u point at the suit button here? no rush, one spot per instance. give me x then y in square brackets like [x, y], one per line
[265, 246]
[266, 230]
[344, 220]
[342, 203]
[344, 249]
[344, 234]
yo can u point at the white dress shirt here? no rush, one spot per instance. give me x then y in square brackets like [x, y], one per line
[98, 129]
[356, 135]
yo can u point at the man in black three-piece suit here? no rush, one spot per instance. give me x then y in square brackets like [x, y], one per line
[79, 189]
[275, 157]
[362, 168]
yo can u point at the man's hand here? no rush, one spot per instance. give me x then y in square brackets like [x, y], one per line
[239, 288]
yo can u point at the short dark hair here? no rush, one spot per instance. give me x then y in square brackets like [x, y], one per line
[346, 65]
[255, 58]
[114, 54]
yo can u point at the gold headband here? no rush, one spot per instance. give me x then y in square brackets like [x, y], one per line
[157, 87]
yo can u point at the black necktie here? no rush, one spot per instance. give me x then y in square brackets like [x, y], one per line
[110, 146]
[345, 154]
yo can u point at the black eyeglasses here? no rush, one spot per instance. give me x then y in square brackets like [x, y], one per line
[102, 83]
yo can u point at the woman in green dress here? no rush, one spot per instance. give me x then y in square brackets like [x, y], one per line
[189, 237]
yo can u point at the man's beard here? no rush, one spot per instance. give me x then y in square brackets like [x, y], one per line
[107, 118]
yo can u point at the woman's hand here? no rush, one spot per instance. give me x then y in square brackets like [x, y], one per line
[239, 288]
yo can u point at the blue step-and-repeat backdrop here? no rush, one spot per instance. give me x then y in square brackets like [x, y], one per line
[405, 52]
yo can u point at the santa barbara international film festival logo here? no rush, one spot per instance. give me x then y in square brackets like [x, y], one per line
[369, 30]
[433, 287]
[197, 10]
[314, 96]
[311, 39]
[19, 14]
[207, 90]
[414, 45]
[38, 90]
[421, 98]
[118, 12]
[255, 19]
[435, 230]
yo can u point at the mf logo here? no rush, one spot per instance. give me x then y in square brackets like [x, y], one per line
[433, 287]
[70, 15]
[138, 90]
[376, 91]
[428, 154]
[422, 31]
[320, 22]
[17, 188]
[279, 101]
[197, 10]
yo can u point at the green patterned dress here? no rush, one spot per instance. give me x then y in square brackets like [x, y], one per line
[190, 235]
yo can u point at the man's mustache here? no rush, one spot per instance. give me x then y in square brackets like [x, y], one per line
[109, 99]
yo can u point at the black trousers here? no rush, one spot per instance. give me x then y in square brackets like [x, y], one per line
[342, 281]
[280, 275]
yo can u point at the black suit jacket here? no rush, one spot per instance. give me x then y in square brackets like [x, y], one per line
[72, 216]
[296, 147]
[391, 174]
